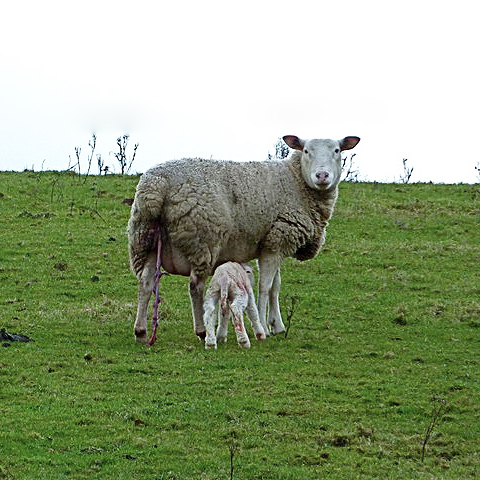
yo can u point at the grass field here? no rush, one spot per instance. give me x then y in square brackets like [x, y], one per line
[384, 343]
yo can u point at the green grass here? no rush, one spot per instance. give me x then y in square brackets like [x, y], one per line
[387, 326]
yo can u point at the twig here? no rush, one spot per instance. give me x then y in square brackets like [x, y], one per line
[348, 165]
[290, 312]
[232, 447]
[57, 181]
[54, 183]
[281, 151]
[78, 150]
[92, 212]
[407, 172]
[133, 157]
[102, 168]
[435, 416]
[92, 144]
[121, 156]
[100, 163]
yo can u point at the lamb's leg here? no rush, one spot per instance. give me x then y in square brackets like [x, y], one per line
[197, 288]
[252, 313]
[238, 307]
[269, 265]
[209, 307]
[147, 279]
[274, 315]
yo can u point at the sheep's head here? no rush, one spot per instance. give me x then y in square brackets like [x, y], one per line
[321, 159]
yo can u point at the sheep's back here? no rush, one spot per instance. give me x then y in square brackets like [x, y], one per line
[219, 208]
[214, 211]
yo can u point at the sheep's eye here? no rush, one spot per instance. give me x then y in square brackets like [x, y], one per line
[305, 151]
[337, 150]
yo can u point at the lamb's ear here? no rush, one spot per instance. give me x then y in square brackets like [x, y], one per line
[348, 143]
[294, 142]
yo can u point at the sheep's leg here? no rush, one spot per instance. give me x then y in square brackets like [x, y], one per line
[222, 330]
[209, 307]
[238, 307]
[269, 265]
[197, 288]
[252, 313]
[274, 315]
[147, 280]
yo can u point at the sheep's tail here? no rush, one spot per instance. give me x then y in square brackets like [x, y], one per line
[144, 224]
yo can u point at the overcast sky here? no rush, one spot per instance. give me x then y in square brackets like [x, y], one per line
[225, 79]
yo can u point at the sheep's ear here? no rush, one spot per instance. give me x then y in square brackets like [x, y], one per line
[294, 142]
[348, 143]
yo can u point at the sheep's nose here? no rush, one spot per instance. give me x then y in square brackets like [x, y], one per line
[322, 177]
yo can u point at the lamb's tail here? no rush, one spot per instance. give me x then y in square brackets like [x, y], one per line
[144, 223]
[223, 283]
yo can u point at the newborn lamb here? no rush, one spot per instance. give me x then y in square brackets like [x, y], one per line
[232, 285]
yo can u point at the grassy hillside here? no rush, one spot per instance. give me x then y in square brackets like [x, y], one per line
[384, 340]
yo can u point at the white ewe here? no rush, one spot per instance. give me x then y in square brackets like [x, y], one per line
[205, 213]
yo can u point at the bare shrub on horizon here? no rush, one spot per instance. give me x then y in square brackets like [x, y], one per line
[349, 169]
[407, 172]
[121, 155]
[281, 151]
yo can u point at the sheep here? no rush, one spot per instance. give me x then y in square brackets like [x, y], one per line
[202, 213]
[232, 286]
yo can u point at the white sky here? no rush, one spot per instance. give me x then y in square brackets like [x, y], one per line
[225, 79]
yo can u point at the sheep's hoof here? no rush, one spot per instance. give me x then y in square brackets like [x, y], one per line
[222, 339]
[210, 346]
[201, 335]
[141, 336]
[261, 336]
[276, 329]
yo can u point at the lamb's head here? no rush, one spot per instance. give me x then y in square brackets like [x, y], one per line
[321, 159]
[249, 271]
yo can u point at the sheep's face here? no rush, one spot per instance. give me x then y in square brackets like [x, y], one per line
[321, 159]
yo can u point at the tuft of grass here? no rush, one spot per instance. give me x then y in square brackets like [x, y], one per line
[386, 318]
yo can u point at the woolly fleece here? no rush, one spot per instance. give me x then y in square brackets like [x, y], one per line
[210, 212]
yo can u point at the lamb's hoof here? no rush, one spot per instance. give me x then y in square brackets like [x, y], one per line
[261, 336]
[210, 346]
[141, 336]
[201, 335]
[244, 344]
[221, 339]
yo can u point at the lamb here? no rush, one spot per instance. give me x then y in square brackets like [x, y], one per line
[200, 213]
[232, 286]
